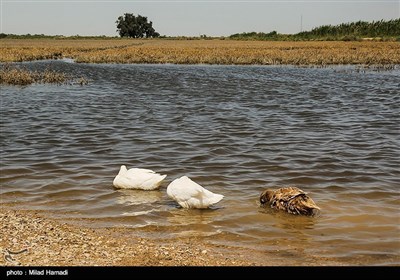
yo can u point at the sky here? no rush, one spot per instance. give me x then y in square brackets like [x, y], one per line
[189, 17]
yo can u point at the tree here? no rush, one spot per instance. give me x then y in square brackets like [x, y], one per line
[132, 26]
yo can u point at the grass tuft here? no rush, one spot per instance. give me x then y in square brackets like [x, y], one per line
[13, 75]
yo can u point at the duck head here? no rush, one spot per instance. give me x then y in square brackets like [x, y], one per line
[266, 196]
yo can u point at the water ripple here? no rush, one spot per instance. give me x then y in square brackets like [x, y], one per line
[236, 130]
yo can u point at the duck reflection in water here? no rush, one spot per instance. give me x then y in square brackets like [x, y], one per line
[138, 197]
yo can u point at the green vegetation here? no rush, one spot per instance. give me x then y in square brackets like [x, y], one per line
[272, 36]
[132, 26]
[354, 31]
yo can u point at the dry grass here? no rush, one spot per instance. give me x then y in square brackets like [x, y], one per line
[19, 76]
[203, 51]
[18, 50]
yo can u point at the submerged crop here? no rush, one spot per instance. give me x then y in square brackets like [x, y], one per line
[14, 75]
[226, 52]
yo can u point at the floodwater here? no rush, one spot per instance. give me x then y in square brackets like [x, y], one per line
[236, 130]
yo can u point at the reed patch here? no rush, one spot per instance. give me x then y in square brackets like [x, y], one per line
[13, 75]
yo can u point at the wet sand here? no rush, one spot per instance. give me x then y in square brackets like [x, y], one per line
[51, 242]
[30, 238]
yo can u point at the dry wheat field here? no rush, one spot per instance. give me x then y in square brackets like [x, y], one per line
[217, 51]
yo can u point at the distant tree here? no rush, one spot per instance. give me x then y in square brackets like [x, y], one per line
[133, 26]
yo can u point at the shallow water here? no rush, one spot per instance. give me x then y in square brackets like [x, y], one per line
[236, 130]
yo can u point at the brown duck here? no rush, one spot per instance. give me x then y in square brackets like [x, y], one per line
[290, 199]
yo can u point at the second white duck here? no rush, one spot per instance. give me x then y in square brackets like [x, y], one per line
[189, 194]
[138, 178]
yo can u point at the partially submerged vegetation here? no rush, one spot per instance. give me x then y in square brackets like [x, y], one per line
[13, 75]
[203, 51]
[247, 53]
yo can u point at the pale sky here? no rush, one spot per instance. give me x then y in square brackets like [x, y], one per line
[189, 17]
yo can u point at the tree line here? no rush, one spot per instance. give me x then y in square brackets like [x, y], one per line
[360, 28]
[131, 26]
[345, 31]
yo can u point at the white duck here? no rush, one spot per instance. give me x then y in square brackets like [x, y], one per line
[137, 178]
[189, 194]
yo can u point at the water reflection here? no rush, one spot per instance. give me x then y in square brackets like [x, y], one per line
[181, 216]
[289, 222]
[138, 197]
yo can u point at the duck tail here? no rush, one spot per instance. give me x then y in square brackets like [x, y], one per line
[315, 211]
[122, 170]
[160, 180]
[303, 204]
[215, 198]
[311, 208]
[311, 204]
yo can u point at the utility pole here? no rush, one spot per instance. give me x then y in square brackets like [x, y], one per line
[301, 23]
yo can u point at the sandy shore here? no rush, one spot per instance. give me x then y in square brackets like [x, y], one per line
[39, 240]
[42, 241]
[32, 238]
